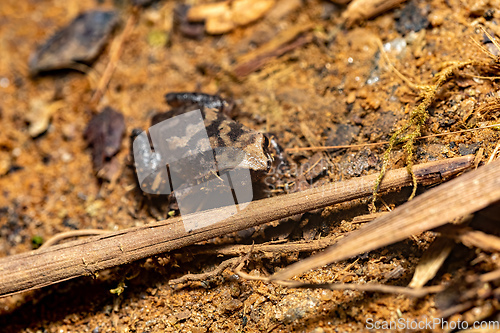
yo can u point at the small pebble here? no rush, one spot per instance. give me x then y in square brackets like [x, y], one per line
[4, 82]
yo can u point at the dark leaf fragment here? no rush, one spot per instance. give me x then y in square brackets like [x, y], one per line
[80, 41]
[194, 30]
[104, 133]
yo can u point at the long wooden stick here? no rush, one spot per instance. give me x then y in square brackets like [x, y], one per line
[39, 268]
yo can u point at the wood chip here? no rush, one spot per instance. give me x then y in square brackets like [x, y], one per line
[40, 114]
[431, 261]
[222, 17]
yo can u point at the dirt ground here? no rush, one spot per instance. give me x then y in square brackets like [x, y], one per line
[338, 82]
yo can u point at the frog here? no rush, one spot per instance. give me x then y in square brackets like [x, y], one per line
[233, 145]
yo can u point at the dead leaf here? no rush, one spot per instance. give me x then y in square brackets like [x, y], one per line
[80, 41]
[104, 133]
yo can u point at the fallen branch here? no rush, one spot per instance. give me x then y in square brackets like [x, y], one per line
[286, 41]
[39, 268]
[115, 54]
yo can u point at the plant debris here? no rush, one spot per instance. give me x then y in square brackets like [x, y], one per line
[39, 115]
[284, 42]
[104, 135]
[412, 129]
[359, 10]
[457, 198]
[80, 41]
[224, 16]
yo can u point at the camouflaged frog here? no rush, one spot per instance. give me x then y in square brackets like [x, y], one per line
[232, 144]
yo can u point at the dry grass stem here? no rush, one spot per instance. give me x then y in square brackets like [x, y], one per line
[204, 276]
[369, 287]
[115, 53]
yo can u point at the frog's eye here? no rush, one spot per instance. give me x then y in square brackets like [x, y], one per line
[267, 143]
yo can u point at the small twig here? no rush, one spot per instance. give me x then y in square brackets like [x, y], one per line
[461, 307]
[370, 287]
[70, 234]
[204, 276]
[367, 217]
[361, 145]
[285, 41]
[493, 154]
[473, 238]
[478, 158]
[233, 262]
[115, 53]
[231, 250]
[490, 276]
[359, 10]
[254, 64]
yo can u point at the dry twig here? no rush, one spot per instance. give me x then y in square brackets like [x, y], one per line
[473, 238]
[204, 276]
[370, 287]
[285, 41]
[115, 54]
[73, 233]
[359, 10]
